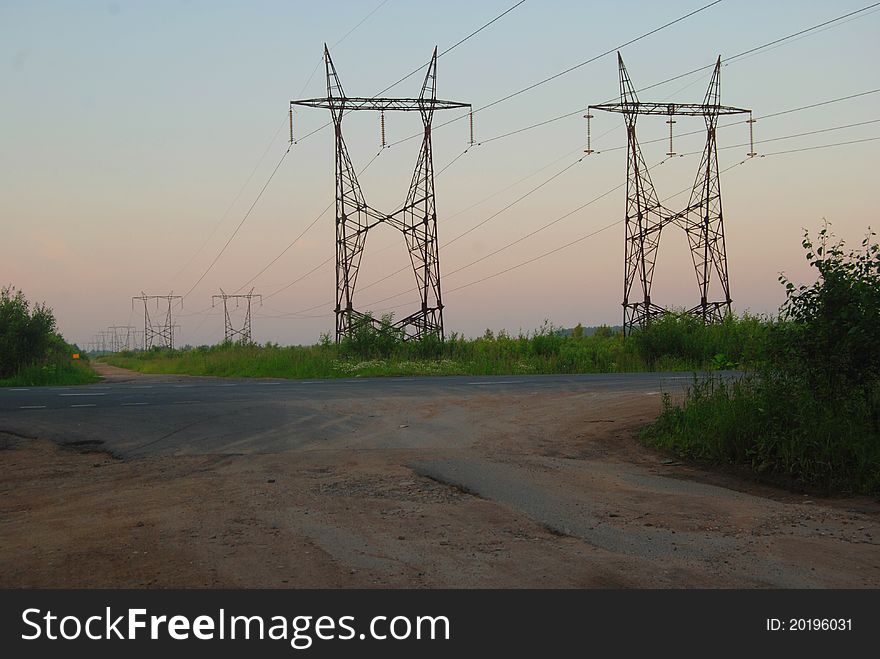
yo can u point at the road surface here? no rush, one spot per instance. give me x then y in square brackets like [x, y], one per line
[523, 481]
[166, 415]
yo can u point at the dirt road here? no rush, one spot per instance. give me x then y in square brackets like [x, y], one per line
[532, 489]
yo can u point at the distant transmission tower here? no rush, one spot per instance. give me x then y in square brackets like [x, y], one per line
[701, 220]
[122, 337]
[163, 334]
[417, 219]
[231, 333]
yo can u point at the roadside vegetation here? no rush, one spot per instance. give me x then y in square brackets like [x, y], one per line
[32, 352]
[677, 342]
[809, 413]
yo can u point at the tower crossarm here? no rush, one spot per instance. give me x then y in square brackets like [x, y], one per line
[380, 104]
[670, 109]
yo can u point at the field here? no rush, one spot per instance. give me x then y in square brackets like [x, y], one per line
[675, 343]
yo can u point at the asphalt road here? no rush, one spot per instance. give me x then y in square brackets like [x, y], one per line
[152, 416]
[428, 481]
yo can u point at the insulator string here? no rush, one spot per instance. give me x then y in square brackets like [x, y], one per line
[589, 149]
[751, 122]
[671, 121]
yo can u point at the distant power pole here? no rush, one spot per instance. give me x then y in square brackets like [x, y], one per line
[416, 220]
[163, 334]
[702, 219]
[122, 336]
[105, 341]
[232, 333]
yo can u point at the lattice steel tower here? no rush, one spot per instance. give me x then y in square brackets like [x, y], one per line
[702, 219]
[232, 333]
[162, 334]
[417, 219]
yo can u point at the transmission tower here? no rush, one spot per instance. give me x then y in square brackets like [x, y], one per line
[159, 334]
[417, 219]
[702, 219]
[122, 337]
[230, 332]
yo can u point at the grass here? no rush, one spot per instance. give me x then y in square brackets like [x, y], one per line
[674, 343]
[53, 373]
[810, 411]
[773, 424]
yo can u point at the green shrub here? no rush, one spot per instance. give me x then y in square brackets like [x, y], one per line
[810, 411]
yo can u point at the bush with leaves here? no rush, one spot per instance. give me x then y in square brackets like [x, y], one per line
[832, 339]
[811, 412]
[27, 335]
[372, 338]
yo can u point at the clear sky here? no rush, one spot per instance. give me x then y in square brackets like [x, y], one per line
[127, 129]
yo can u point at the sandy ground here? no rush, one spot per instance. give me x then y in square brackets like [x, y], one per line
[555, 493]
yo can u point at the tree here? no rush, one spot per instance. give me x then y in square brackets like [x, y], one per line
[26, 336]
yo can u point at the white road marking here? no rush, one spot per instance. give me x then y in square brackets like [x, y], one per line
[227, 385]
[82, 394]
[143, 386]
[184, 402]
[183, 386]
[500, 382]
[266, 384]
[32, 407]
[85, 405]
[130, 404]
[19, 389]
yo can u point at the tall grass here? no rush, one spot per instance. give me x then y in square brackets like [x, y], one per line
[59, 372]
[675, 342]
[776, 427]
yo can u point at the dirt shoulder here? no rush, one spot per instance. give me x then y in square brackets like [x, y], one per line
[114, 374]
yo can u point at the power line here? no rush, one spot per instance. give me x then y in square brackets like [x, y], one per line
[414, 71]
[347, 34]
[234, 201]
[727, 61]
[545, 182]
[447, 50]
[250, 177]
[573, 68]
[618, 222]
[584, 63]
[240, 224]
[820, 146]
[453, 46]
[737, 56]
[816, 105]
[596, 57]
[604, 228]
[303, 233]
[570, 243]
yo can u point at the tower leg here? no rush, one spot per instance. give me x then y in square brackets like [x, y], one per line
[643, 221]
[704, 222]
[351, 211]
[420, 228]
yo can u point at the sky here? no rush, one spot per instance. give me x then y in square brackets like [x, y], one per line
[136, 136]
